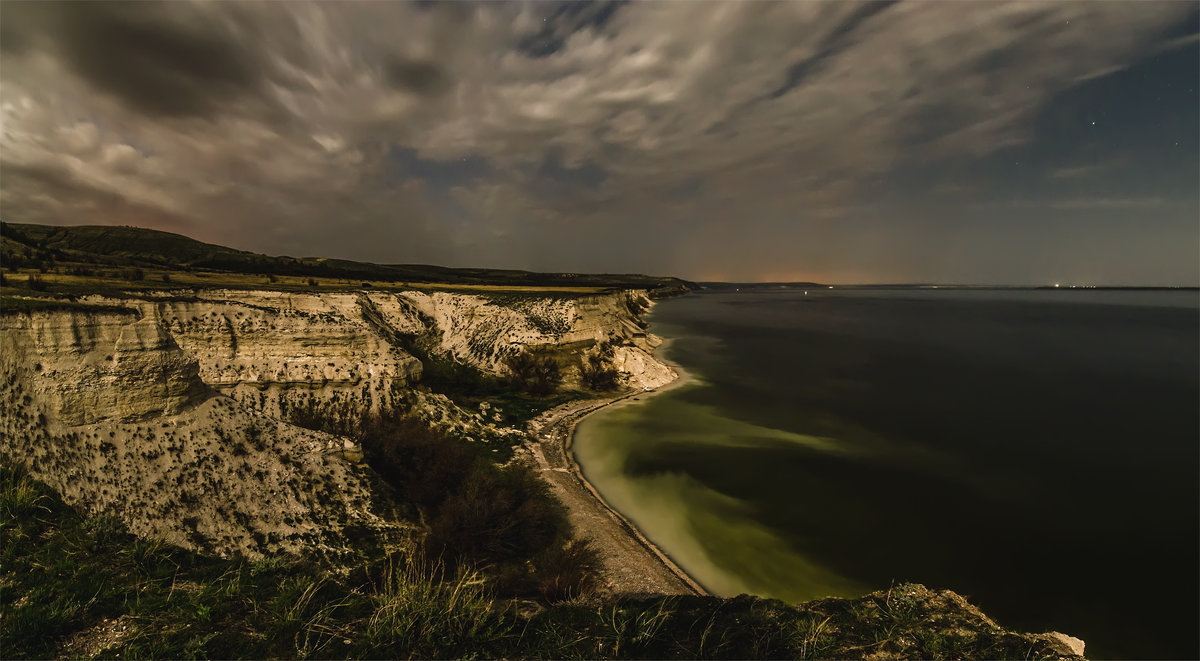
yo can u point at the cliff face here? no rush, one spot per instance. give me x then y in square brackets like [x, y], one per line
[483, 330]
[173, 415]
[271, 351]
[91, 367]
[109, 410]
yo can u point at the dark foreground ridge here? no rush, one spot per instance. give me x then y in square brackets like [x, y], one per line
[79, 587]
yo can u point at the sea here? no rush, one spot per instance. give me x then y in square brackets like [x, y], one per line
[1037, 451]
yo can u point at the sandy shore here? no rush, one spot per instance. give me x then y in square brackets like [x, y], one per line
[630, 563]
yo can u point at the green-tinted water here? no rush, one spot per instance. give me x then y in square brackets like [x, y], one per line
[1038, 454]
[688, 519]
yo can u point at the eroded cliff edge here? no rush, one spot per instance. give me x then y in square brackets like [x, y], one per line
[171, 409]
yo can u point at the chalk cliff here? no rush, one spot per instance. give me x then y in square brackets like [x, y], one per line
[172, 413]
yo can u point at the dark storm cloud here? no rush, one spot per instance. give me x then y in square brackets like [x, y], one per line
[417, 76]
[46, 194]
[792, 140]
[160, 59]
[12, 41]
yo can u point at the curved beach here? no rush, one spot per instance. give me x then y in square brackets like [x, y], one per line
[630, 563]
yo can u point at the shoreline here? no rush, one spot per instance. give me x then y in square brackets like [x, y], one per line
[637, 566]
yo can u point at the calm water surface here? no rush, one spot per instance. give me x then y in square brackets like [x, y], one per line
[1038, 451]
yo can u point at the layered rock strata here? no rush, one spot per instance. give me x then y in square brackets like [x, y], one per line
[173, 414]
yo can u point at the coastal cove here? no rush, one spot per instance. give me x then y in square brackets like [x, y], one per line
[1033, 450]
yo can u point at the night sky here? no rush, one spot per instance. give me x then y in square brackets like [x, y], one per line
[988, 143]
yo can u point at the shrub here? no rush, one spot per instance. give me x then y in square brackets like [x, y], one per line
[536, 373]
[566, 572]
[420, 463]
[595, 374]
[480, 513]
[496, 515]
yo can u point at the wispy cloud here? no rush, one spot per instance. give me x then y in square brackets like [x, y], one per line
[263, 122]
[1098, 203]
[1083, 171]
[1079, 203]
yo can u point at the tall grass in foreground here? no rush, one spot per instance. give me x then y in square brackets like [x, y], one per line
[421, 612]
[80, 587]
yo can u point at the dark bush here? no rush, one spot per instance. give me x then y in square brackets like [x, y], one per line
[597, 371]
[536, 373]
[496, 515]
[596, 374]
[480, 513]
[566, 571]
[422, 464]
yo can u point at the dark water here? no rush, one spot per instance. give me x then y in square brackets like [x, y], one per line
[1036, 451]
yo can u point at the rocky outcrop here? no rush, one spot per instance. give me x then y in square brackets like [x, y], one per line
[109, 410]
[271, 352]
[483, 330]
[90, 367]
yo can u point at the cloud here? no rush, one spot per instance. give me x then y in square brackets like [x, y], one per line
[417, 76]
[1084, 171]
[1095, 203]
[526, 134]
[1083, 203]
[161, 59]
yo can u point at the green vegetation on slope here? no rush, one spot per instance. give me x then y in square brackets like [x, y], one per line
[90, 246]
[79, 587]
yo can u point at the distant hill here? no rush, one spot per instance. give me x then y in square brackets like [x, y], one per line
[724, 286]
[25, 244]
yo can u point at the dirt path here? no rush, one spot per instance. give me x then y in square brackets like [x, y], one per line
[631, 564]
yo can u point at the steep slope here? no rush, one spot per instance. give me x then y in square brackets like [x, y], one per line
[174, 412]
[111, 412]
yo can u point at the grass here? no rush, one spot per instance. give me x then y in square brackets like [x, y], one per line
[65, 579]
